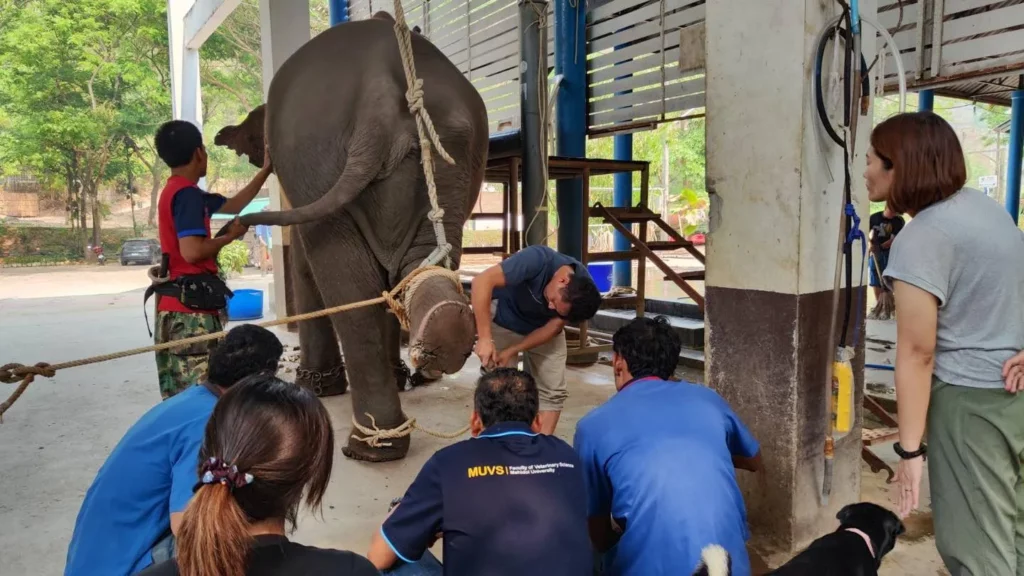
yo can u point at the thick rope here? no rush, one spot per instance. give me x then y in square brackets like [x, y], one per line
[378, 438]
[399, 302]
[11, 373]
[427, 135]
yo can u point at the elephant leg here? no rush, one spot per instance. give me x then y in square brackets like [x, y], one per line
[442, 328]
[393, 347]
[346, 272]
[321, 367]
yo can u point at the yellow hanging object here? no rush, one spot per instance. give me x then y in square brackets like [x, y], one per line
[842, 393]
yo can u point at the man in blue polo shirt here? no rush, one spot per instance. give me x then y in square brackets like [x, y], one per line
[140, 492]
[534, 293]
[508, 501]
[659, 459]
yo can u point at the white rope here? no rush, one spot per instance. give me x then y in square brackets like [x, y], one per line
[428, 138]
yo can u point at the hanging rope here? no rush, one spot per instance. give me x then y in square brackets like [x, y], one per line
[427, 135]
[396, 300]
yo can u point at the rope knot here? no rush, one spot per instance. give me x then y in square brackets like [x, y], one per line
[414, 96]
[11, 373]
[436, 215]
[376, 437]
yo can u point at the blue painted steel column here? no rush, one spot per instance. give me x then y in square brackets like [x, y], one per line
[925, 101]
[571, 118]
[622, 274]
[338, 10]
[1013, 167]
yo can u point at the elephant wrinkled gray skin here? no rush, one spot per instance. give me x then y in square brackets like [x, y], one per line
[346, 152]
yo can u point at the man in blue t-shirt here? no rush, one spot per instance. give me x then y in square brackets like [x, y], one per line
[659, 459]
[508, 501]
[139, 494]
[535, 292]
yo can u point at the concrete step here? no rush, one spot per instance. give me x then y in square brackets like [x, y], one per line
[690, 330]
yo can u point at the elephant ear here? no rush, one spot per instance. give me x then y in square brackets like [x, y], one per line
[245, 138]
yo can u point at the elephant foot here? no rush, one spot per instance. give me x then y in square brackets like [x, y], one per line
[403, 376]
[424, 377]
[444, 339]
[359, 450]
[323, 383]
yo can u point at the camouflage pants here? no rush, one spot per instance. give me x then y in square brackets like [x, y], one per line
[179, 368]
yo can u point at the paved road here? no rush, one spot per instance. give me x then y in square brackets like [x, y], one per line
[56, 281]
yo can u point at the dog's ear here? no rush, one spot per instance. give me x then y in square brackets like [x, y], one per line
[845, 513]
[892, 528]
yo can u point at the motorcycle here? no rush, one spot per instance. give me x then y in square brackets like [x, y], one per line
[98, 251]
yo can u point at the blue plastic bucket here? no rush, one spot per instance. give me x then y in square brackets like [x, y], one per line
[246, 305]
[601, 272]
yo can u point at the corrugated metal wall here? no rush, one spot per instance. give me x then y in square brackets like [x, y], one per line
[481, 37]
[978, 37]
[633, 67]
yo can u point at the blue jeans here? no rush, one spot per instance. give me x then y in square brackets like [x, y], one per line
[428, 565]
[164, 549]
[882, 258]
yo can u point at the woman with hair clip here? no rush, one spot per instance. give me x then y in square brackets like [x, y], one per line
[267, 443]
[957, 271]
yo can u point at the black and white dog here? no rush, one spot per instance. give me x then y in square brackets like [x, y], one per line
[866, 533]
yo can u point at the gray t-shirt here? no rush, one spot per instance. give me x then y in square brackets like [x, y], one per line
[968, 253]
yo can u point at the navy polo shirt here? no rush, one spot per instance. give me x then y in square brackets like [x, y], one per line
[508, 502]
[522, 307]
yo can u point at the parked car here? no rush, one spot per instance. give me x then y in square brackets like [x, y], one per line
[140, 251]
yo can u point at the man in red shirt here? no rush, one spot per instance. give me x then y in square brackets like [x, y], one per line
[184, 224]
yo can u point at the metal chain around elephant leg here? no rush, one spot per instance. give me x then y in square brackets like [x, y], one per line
[322, 382]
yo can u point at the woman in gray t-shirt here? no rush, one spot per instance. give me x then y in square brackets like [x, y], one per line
[957, 272]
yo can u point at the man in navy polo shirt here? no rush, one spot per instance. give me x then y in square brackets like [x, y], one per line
[508, 501]
[140, 492]
[659, 459]
[535, 292]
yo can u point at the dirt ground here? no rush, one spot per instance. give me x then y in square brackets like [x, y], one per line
[61, 430]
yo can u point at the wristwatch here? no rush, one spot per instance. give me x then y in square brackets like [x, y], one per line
[922, 451]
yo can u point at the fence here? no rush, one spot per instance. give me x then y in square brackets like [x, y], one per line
[19, 204]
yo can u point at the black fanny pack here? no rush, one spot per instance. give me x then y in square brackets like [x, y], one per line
[201, 292]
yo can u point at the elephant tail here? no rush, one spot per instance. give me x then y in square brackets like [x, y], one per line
[362, 166]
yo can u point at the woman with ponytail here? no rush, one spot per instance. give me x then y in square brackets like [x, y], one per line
[267, 444]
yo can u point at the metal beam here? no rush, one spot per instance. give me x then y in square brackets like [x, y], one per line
[571, 119]
[203, 19]
[338, 11]
[533, 79]
[1016, 156]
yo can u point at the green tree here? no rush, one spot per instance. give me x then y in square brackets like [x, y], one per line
[684, 171]
[74, 86]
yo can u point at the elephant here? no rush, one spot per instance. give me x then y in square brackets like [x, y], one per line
[346, 153]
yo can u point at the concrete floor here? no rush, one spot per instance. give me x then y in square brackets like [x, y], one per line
[60, 431]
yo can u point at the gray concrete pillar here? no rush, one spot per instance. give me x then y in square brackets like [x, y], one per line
[284, 27]
[771, 253]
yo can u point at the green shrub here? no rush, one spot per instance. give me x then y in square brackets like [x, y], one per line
[56, 243]
[233, 258]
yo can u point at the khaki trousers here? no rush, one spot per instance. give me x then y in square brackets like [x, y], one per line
[546, 363]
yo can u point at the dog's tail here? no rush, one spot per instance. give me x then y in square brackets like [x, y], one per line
[714, 561]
